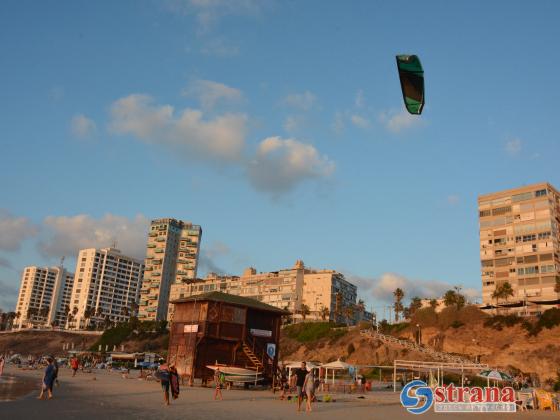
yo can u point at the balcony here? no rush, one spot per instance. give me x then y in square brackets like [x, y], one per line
[152, 234]
[159, 250]
[156, 274]
[148, 269]
[149, 257]
[160, 240]
[158, 261]
[151, 245]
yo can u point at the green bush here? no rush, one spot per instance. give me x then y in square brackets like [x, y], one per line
[312, 331]
[456, 324]
[549, 318]
[498, 322]
[351, 349]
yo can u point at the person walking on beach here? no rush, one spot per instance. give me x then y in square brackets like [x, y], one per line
[163, 375]
[174, 382]
[300, 375]
[218, 380]
[48, 379]
[309, 389]
[74, 364]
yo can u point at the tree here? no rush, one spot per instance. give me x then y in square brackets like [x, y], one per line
[349, 314]
[398, 306]
[454, 298]
[88, 312]
[11, 317]
[304, 311]
[434, 304]
[324, 312]
[133, 308]
[361, 307]
[557, 285]
[415, 304]
[44, 311]
[502, 291]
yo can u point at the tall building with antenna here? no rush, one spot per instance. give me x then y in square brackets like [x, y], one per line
[43, 294]
[106, 288]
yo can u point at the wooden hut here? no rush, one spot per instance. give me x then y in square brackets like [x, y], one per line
[227, 329]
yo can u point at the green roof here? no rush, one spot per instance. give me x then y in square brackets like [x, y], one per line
[232, 299]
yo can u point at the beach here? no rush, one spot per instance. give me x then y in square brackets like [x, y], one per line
[105, 394]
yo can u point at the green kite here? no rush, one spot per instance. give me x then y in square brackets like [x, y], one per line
[411, 75]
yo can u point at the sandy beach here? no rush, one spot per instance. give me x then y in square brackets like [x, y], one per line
[111, 396]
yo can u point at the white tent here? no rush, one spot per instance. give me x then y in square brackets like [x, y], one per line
[334, 366]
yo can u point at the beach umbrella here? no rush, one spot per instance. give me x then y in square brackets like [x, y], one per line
[495, 375]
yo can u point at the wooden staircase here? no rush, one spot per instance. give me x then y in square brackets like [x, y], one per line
[252, 357]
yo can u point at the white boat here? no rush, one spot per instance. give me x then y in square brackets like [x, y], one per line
[237, 374]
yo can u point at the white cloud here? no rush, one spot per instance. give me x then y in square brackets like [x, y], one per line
[360, 121]
[281, 164]
[209, 12]
[82, 126]
[66, 235]
[218, 47]
[360, 99]
[293, 123]
[188, 133]
[210, 93]
[453, 199]
[14, 230]
[513, 147]
[9, 295]
[338, 122]
[399, 121]
[304, 101]
[209, 255]
[382, 288]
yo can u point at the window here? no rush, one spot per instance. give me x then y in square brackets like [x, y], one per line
[484, 213]
[540, 193]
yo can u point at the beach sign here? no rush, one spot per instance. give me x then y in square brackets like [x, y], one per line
[271, 350]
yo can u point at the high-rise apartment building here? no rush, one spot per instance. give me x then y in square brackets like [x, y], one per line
[286, 289]
[519, 234]
[41, 297]
[106, 288]
[171, 257]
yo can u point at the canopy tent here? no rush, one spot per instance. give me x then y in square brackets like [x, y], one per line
[334, 366]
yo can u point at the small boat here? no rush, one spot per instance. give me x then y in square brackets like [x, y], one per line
[237, 374]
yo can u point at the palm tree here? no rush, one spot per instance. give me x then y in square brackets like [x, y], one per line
[415, 304]
[398, 306]
[133, 308]
[304, 311]
[324, 312]
[502, 291]
[557, 286]
[88, 312]
[11, 317]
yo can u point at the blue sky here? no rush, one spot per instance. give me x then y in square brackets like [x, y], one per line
[277, 126]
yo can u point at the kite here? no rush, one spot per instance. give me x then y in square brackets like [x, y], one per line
[411, 75]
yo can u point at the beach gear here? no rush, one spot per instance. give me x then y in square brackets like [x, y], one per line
[411, 76]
